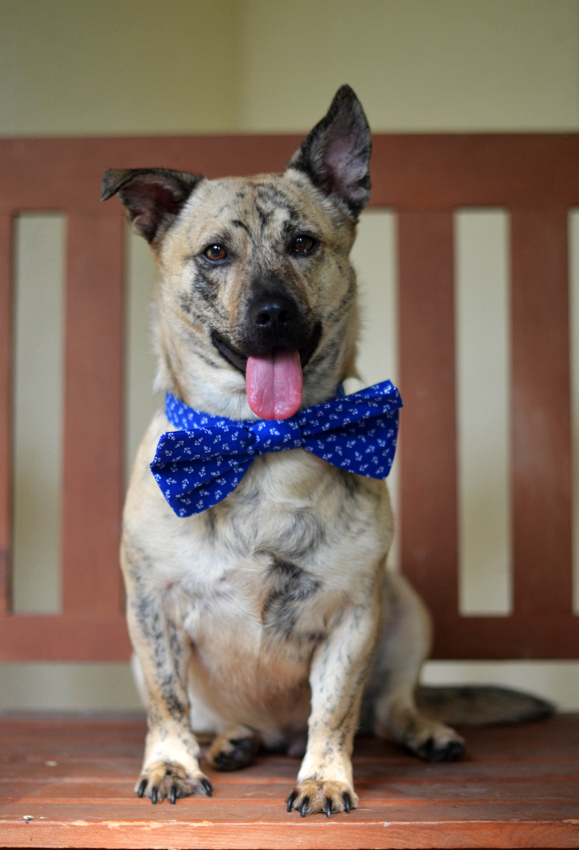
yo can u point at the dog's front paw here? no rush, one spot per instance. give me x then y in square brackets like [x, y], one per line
[163, 779]
[313, 796]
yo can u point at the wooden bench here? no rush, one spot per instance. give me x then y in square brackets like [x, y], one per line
[68, 781]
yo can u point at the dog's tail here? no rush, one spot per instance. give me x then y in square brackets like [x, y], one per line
[480, 705]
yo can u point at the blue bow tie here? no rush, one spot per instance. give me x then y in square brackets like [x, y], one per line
[200, 465]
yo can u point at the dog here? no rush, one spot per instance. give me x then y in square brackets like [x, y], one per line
[269, 619]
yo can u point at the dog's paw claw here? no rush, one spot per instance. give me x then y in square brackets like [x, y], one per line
[290, 800]
[432, 750]
[431, 740]
[171, 781]
[233, 750]
[328, 798]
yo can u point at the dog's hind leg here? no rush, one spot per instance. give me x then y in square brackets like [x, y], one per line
[389, 708]
[234, 748]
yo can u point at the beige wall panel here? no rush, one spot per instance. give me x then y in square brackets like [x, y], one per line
[66, 686]
[141, 362]
[554, 680]
[374, 256]
[38, 400]
[482, 321]
[178, 66]
[417, 65]
[95, 67]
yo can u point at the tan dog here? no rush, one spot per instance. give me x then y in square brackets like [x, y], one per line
[269, 619]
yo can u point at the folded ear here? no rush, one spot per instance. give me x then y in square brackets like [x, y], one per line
[153, 196]
[336, 154]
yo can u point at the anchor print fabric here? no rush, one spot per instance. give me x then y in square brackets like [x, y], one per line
[203, 462]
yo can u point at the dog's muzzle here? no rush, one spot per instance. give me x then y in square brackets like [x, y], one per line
[271, 321]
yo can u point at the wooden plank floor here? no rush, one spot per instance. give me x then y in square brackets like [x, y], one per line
[68, 782]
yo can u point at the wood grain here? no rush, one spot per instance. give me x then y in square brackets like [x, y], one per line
[93, 420]
[424, 178]
[541, 420]
[428, 470]
[25, 637]
[68, 782]
[409, 172]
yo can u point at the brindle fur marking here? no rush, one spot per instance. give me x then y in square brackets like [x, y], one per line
[263, 617]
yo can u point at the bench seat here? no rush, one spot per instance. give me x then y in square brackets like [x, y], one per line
[67, 781]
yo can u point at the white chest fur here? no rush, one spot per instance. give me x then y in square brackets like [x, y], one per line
[258, 581]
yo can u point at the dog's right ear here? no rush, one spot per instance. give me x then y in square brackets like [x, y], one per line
[153, 197]
[336, 154]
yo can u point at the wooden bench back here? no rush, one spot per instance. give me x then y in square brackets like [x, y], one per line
[424, 179]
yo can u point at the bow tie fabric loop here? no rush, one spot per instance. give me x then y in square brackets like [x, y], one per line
[204, 461]
[189, 478]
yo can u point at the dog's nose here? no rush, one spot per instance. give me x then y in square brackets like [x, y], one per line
[274, 314]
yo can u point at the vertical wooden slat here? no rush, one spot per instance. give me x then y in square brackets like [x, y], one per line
[92, 498]
[5, 409]
[427, 384]
[541, 413]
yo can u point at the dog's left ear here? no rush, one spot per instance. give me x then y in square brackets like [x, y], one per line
[153, 197]
[336, 154]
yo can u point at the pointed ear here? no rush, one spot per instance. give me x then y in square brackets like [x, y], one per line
[153, 197]
[336, 154]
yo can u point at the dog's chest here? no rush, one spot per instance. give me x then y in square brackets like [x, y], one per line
[255, 587]
[268, 602]
[276, 562]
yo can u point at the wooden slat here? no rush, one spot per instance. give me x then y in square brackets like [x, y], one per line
[93, 463]
[502, 638]
[28, 637]
[255, 826]
[428, 429]
[69, 782]
[409, 172]
[541, 455]
[5, 410]
[44, 174]
[443, 172]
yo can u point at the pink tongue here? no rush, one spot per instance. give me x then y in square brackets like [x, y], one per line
[274, 384]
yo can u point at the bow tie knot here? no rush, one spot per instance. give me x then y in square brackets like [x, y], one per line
[276, 435]
[204, 461]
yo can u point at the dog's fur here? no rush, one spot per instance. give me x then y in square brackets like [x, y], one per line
[269, 619]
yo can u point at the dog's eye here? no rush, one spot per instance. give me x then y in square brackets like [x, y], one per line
[303, 244]
[216, 253]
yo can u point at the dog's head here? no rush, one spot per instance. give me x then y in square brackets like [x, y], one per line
[257, 298]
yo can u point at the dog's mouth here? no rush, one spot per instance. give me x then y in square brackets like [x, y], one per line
[273, 379]
[233, 357]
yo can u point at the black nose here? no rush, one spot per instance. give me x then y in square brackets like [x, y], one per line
[275, 314]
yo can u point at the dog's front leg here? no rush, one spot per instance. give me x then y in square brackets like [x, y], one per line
[171, 762]
[338, 674]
